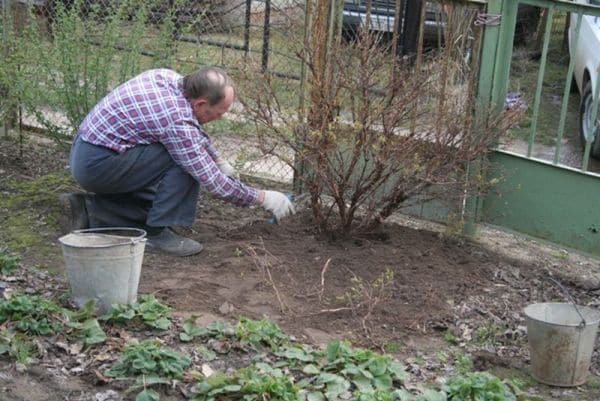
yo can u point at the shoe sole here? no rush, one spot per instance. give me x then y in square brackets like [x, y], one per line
[67, 220]
[158, 251]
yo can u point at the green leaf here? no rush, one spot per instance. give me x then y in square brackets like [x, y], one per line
[403, 395]
[315, 396]
[362, 383]
[151, 380]
[8, 263]
[332, 350]
[206, 354]
[148, 395]
[127, 314]
[398, 370]
[383, 382]
[431, 395]
[162, 324]
[232, 388]
[311, 369]
[334, 390]
[378, 366]
[365, 372]
[329, 377]
[185, 337]
[85, 312]
[4, 348]
[92, 333]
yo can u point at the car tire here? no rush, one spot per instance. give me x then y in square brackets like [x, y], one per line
[585, 125]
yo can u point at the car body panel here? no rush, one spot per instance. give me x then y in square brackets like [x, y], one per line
[586, 51]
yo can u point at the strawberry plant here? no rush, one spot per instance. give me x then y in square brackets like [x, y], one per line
[16, 345]
[149, 358]
[297, 355]
[151, 364]
[478, 386]
[85, 327]
[31, 314]
[254, 333]
[89, 332]
[216, 329]
[258, 382]
[8, 263]
[366, 369]
[147, 310]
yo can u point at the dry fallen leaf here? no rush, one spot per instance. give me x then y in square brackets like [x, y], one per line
[207, 371]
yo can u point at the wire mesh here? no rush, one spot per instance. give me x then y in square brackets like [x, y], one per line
[65, 56]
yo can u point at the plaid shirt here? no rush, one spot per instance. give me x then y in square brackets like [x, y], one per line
[151, 108]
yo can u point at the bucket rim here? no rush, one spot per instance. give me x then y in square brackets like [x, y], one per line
[132, 240]
[588, 321]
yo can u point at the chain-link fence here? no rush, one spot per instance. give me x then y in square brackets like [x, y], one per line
[61, 57]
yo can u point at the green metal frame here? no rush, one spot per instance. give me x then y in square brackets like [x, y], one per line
[540, 199]
[534, 197]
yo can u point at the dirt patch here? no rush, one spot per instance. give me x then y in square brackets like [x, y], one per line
[407, 279]
[408, 289]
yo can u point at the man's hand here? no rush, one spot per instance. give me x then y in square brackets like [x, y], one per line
[278, 204]
[227, 168]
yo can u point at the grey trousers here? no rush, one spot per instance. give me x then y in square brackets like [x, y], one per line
[141, 188]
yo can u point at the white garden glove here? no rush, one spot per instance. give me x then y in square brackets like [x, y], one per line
[278, 204]
[227, 168]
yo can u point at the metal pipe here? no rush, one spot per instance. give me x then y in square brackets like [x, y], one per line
[247, 27]
[266, 34]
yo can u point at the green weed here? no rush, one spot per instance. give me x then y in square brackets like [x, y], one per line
[254, 333]
[366, 369]
[442, 357]
[148, 310]
[298, 356]
[450, 337]
[8, 263]
[463, 363]
[17, 346]
[255, 383]
[392, 346]
[31, 314]
[216, 329]
[149, 358]
[480, 386]
[488, 333]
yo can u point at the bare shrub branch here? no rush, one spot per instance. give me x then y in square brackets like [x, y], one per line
[379, 130]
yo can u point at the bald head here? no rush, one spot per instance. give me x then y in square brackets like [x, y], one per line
[208, 83]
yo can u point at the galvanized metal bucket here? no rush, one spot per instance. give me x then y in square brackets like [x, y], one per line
[104, 264]
[561, 340]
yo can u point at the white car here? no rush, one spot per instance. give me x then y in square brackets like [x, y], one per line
[587, 68]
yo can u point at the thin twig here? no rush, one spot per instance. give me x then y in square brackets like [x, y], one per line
[323, 271]
[264, 266]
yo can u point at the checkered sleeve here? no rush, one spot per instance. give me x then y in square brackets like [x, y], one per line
[192, 150]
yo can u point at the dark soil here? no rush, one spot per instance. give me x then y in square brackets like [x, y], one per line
[400, 289]
[286, 272]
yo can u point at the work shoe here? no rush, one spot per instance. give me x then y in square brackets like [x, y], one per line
[73, 214]
[170, 243]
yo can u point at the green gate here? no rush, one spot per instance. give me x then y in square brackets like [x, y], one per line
[538, 193]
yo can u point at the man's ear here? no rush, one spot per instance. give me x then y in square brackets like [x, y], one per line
[198, 102]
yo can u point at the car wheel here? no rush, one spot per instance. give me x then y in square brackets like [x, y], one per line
[588, 130]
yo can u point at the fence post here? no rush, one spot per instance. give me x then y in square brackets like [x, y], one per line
[247, 17]
[491, 91]
[266, 34]
[487, 63]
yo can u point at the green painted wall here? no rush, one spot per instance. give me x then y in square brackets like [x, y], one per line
[545, 201]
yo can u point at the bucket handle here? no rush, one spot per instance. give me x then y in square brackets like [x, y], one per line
[570, 298]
